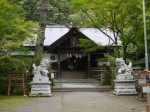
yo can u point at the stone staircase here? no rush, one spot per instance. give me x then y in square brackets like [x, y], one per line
[72, 85]
[74, 75]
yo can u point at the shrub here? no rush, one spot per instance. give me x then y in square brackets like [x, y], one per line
[114, 73]
[8, 63]
[106, 76]
[3, 83]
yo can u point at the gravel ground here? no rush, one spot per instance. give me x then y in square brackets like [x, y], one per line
[82, 102]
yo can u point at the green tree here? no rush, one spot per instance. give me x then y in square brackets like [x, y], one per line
[89, 46]
[14, 29]
[37, 11]
[57, 12]
[44, 12]
[119, 17]
[139, 41]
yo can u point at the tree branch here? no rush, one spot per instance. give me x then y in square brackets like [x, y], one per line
[89, 16]
[28, 16]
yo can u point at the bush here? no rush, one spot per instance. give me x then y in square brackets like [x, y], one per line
[106, 76]
[37, 60]
[12, 64]
[8, 63]
[114, 73]
[3, 83]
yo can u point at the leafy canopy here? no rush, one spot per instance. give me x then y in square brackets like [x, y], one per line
[89, 46]
[121, 17]
[14, 28]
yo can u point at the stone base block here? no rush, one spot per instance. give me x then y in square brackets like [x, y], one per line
[124, 93]
[124, 87]
[40, 89]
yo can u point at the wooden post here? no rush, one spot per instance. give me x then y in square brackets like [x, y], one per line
[88, 66]
[147, 105]
[144, 82]
[146, 89]
[9, 84]
[59, 75]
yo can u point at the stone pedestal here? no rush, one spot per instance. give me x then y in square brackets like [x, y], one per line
[40, 86]
[40, 89]
[124, 87]
[124, 83]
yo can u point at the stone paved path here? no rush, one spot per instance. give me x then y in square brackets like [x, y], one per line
[82, 102]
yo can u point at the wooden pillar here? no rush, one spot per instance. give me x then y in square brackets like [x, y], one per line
[59, 74]
[88, 75]
[147, 105]
[9, 85]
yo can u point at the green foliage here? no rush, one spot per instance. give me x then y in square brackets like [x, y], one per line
[37, 60]
[111, 58]
[8, 63]
[27, 60]
[14, 29]
[114, 74]
[88, 45]
[106, 76]
[11, 64]
[58, 10]
[122, 18]
[3, 83]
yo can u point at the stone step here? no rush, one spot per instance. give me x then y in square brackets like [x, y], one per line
[81, 89]
[75, 81]
[70, 87]
[74, 75]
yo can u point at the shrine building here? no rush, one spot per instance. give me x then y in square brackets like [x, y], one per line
[68, 60]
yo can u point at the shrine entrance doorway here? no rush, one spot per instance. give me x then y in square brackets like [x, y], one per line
[74, 67]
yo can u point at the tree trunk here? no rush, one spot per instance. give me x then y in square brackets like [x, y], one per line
[41, 32]
[117, 48]
[125, 53]
[118, 52]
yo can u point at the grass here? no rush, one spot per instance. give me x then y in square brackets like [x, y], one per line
[10, 102]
